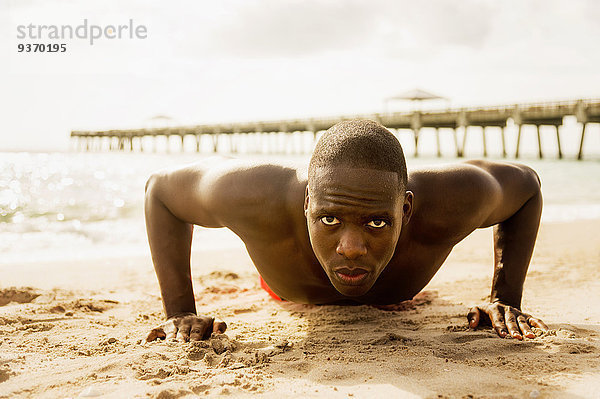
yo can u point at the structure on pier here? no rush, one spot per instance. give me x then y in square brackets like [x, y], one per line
[537, 114]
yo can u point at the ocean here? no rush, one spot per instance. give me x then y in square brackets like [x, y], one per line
[78, 205]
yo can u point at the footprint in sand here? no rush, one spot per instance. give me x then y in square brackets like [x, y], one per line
[19, 295]
[93, 305]
[5, 372]
[332, 373]
[461, 338]
[575, 348]
[422, 298]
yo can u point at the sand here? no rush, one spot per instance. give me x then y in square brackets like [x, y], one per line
[77, 329]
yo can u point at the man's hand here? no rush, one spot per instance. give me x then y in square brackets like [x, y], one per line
[505, 319]
[187, 327]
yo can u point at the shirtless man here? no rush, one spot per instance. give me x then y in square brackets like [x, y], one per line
[356, 230]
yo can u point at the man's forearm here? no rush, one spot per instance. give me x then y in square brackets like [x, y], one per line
[170, 245]
[514, 240]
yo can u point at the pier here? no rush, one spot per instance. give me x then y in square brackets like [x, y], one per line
[278, 136]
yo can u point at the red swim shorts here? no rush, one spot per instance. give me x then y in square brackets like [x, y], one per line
[265, 287]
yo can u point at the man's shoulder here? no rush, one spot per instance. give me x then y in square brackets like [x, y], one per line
[457, 198]
[473, 181]
[249, 180]
[250, 194]
[451, 200]
[453, 178]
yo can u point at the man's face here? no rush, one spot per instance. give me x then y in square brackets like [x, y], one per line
[354, 218]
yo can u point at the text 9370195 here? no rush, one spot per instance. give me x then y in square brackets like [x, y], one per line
[41, 47]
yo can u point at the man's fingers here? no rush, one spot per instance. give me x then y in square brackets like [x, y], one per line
[498, 322]
[199, 328]
[183, 332]
[204, 327]
[170, 329]
[219, 326]
[535, 322]
[524, 326]
[196, 333]
[473, 317]
[511, 323]
[156, 333]
[188, 328]
[508, 321]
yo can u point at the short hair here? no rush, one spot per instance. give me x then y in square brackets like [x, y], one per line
[359, 143]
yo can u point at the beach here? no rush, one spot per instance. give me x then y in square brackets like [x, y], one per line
[73, 329]
[78, 296]
[100, 97]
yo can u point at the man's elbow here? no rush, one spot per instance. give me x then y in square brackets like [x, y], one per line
[533, 181]
[150, 182]
[153, 185]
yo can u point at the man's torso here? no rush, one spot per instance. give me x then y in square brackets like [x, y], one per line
[288, 265]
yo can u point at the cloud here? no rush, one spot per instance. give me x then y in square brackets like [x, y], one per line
[445, 23]
[422, 30]
[273, 28]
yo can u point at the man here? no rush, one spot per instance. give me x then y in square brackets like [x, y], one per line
[356, 230]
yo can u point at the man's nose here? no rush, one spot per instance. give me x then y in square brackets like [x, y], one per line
[351, 245]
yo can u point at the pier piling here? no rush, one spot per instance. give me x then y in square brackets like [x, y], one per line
[539, 142]
[483, 140]
[580, 153]
[560, 155]
[289, 136]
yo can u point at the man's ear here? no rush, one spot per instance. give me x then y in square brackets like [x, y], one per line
[407, 207]
[306, 199]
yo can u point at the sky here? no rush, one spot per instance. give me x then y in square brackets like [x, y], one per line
[222, 61]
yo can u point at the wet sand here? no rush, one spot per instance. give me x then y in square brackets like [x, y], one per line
[77, 329]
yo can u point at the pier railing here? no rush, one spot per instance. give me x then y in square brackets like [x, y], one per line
[538, 114]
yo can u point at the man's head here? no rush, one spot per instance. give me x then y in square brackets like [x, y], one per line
[359, 143]
[356, 203]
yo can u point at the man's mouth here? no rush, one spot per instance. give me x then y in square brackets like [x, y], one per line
[355, 276]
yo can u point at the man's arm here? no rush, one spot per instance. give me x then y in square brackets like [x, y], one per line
[215, 193]
[514, 239]
[173, 202]
[516, 216]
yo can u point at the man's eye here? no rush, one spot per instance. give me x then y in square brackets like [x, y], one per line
[377, 223]
[330, 220]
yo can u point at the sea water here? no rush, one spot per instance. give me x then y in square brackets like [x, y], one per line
[78, 205]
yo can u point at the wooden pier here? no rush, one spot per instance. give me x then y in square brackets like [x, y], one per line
[536, 114]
